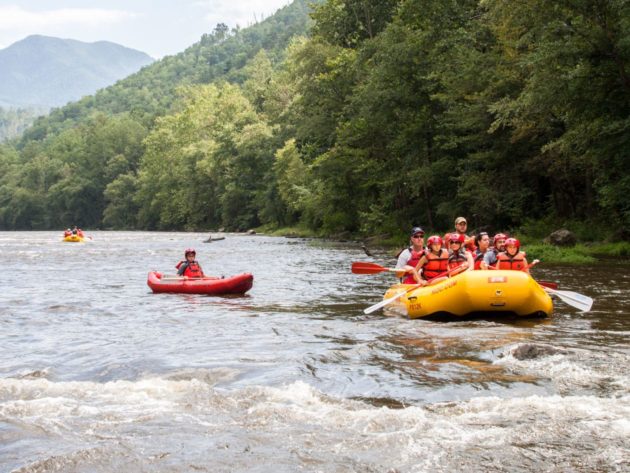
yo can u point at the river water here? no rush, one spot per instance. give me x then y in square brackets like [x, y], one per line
[97, 374]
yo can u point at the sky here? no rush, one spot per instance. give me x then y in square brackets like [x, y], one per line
[156, 27]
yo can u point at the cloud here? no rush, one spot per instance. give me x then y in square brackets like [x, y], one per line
[242, 13]
[14, 18]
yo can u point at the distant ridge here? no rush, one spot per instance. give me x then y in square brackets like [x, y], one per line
[42, 71]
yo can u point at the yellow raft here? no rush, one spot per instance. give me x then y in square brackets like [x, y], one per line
[74, 239]
[481, 293]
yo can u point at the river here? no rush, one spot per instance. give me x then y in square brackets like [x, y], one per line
[97, 374]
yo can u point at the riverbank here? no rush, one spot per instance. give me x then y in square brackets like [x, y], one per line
[581, 253]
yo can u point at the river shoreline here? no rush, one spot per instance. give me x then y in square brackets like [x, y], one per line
[582, 253]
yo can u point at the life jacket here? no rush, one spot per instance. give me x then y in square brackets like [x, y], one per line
[193, 270]
[67, 233]
[456, 259]
[436, 264]
[478, 258]
[413, 261]
[516, 262]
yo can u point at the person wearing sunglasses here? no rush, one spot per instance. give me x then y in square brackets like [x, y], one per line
[458, 256]
[409, 257]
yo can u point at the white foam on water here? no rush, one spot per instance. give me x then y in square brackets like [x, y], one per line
[535, 431]
[175, 421]
[574, 369]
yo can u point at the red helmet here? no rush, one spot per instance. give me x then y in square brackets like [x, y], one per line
[434, 240]
[458, 237]
[513, 241]
[500, 236]
[190, 251]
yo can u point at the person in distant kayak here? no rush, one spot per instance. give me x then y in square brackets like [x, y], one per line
[67, 233]
[189, 267]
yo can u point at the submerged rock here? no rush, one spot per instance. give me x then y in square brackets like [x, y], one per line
[530, 351]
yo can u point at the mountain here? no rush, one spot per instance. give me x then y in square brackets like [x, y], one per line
[41, 71]
[219, 55]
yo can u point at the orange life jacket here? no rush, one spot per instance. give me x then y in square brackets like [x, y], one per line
[193, 270]
[516, 262]
[436, 264]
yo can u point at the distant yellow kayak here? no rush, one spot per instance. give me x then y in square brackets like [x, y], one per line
[474, 293]
[74, 239]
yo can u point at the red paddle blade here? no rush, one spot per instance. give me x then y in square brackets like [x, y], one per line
[549, 284]
[367, 268]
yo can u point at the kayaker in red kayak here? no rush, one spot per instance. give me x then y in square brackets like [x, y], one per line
[189, 267]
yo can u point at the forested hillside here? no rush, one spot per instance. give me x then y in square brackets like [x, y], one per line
[387, 112]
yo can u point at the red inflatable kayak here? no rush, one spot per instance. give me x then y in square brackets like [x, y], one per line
[239, 284]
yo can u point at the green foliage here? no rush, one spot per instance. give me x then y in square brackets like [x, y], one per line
[292, 177]
[554, 254]
[349, 22]
[615, 250]
[205, 165]
[121, 210]
[515, 115]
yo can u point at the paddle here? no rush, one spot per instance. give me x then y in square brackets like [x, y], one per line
[574, 299]
[385, 302]
[549, 284]
[372, 268]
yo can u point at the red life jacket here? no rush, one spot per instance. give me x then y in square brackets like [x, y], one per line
[413, 261]
[436, 264]
[193, 270]
[478, 258]
[516, 262]
[456, 259]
